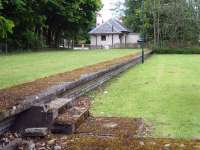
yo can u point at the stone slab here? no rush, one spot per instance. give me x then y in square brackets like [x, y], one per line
[35, 132]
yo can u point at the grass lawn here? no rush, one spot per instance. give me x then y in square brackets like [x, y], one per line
[164, 91]
[20, 68]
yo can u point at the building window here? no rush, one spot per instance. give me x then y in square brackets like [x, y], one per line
[103, 38]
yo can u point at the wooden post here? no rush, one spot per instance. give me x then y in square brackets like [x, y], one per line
[120, 38]
[125, 40]
[112, 36]
[96, 41]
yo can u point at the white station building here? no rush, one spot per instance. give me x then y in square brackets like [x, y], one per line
[113, 34]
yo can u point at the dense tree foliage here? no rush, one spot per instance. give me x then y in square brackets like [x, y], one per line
[35, 23]
[173, 23]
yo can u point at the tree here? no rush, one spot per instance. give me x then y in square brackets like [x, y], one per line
[46, 22]
[132, 16]
[167, 22]
[6, 27]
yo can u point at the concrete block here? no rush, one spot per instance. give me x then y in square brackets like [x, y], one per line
[35, 132]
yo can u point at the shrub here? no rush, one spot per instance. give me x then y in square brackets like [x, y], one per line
[177, 50]
[31, 40]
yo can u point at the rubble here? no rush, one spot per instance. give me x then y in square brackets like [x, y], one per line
[35, 132]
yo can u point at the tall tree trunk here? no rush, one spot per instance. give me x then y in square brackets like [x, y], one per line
[49, 38]
[56, 40]
[154, 23]
[6, 45]
[158, 24]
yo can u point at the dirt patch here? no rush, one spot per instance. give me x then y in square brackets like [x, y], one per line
[118, 133]
[78, 142]
[113, 127]
[87, 142]
[13, 96]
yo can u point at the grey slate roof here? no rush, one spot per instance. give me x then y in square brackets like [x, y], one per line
[111, 26]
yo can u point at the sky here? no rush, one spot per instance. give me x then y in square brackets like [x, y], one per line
[107, 11]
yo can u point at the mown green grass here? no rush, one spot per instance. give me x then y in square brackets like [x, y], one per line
[164, 91]
[20, 68]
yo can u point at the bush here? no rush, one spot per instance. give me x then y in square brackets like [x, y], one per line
[31, 40]
[177, 50]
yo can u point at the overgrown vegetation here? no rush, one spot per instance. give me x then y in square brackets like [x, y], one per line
[167, 23]
[27, 24]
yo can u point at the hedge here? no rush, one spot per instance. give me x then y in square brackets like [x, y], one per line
[177, 50]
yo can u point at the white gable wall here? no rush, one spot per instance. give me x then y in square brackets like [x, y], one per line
[131, 38]
[108, 41]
